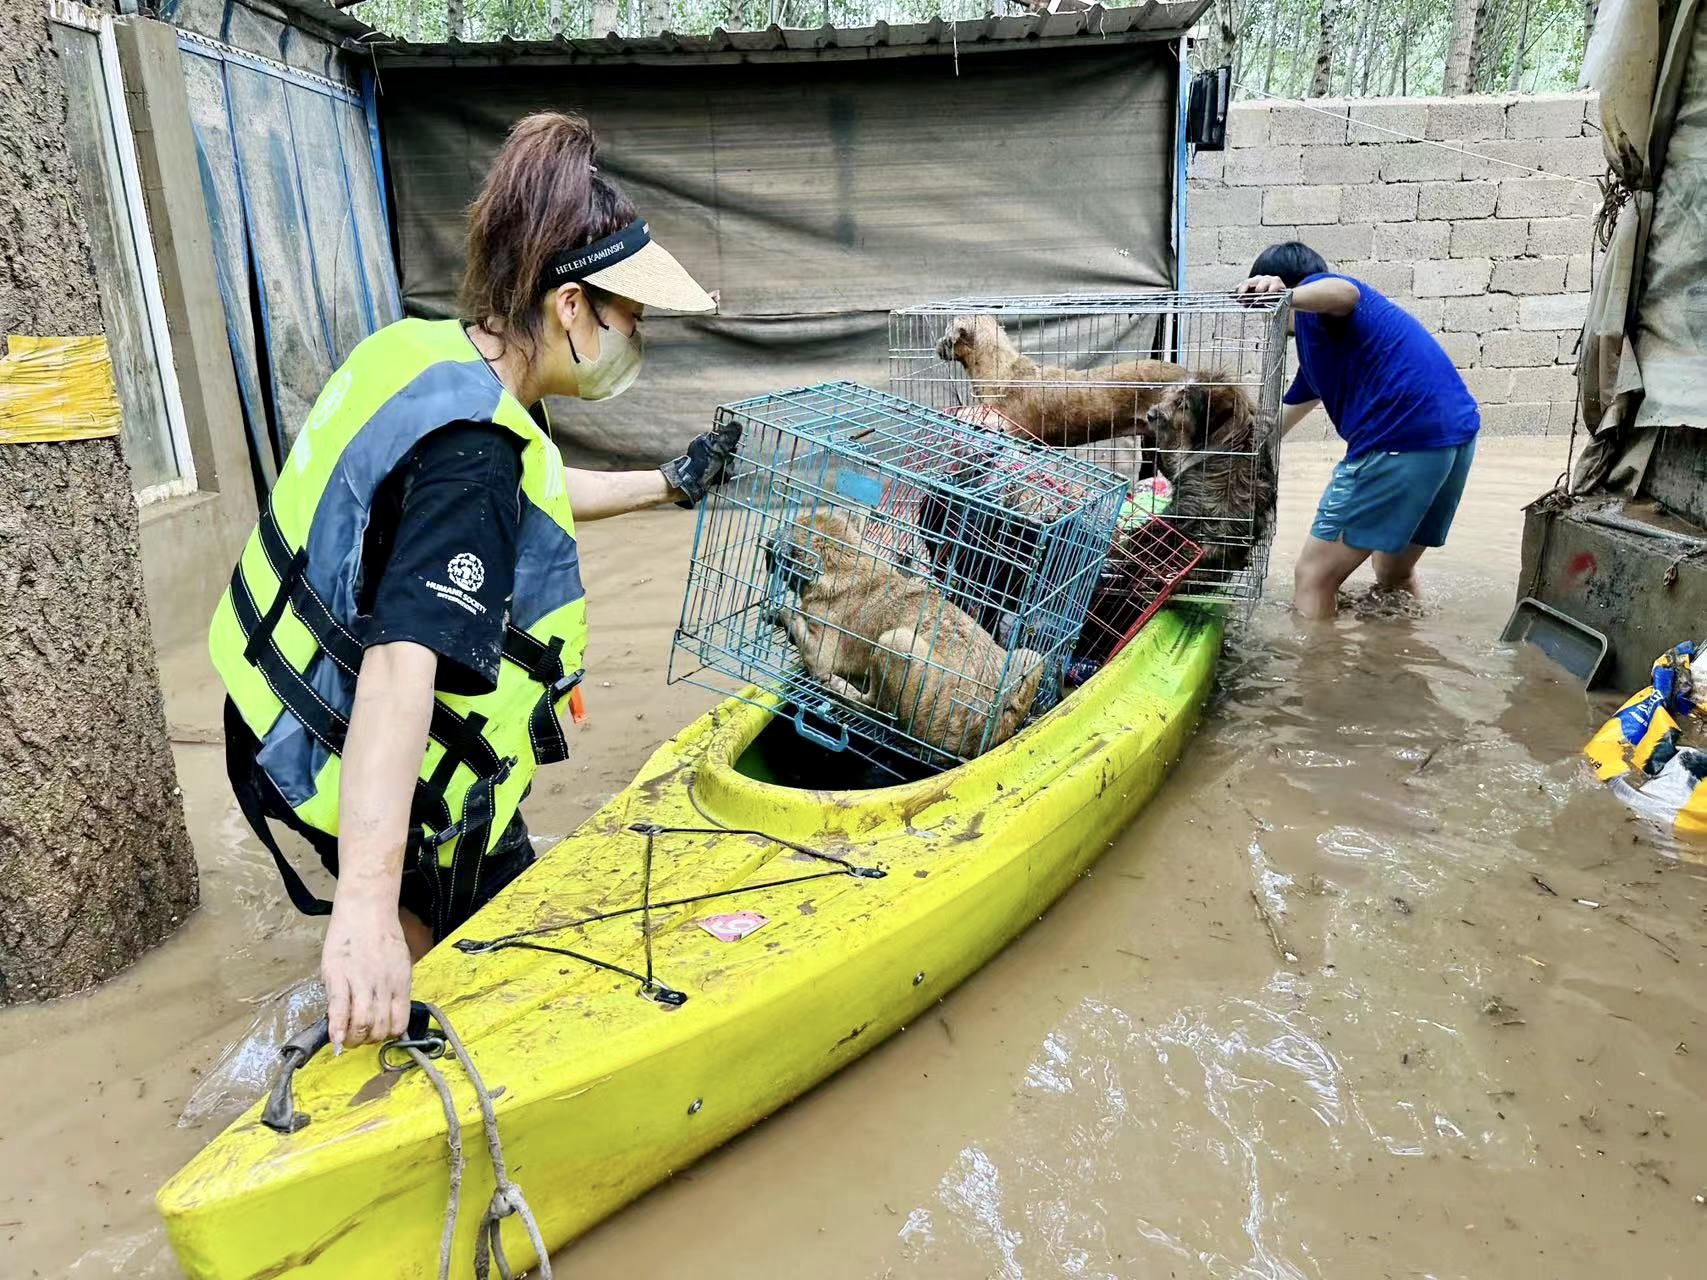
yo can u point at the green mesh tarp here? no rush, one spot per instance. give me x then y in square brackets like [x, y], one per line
[816, 196]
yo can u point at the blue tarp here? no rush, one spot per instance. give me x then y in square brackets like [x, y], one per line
[302, 250]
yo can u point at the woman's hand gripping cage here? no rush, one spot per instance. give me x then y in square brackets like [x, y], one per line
[708, 463]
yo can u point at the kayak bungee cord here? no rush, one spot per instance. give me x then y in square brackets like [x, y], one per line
[649, 984]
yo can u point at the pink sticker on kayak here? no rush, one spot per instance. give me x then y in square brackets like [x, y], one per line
[734, 926]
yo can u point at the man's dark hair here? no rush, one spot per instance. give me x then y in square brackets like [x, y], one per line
[1291, 261]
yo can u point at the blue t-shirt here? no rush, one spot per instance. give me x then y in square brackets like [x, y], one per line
[1382, 378]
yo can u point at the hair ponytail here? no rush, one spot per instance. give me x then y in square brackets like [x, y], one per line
[543, 194]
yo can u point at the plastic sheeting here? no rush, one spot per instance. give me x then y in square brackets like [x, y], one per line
[1621, 62]
[245, 1070]
[1639, 60]
[216, 157]
[300, 242]
[1671, 333]
[816, 197]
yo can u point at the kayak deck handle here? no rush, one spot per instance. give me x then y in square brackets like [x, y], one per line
[280, 1114]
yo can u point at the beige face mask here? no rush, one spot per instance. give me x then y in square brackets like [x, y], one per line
[618, 364]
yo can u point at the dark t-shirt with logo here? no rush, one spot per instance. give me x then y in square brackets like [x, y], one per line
[439, 558]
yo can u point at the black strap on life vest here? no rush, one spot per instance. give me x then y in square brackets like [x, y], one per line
[544, 664]
[241, 771]
[321, 721]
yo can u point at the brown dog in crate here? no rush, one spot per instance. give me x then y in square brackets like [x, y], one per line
[1209, 446]
[882, 638]
[1060, 407]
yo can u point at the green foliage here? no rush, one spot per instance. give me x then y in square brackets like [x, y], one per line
[1393, 47]
[1379, 46]
[532, 19]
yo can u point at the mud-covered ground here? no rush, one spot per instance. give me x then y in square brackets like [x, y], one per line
[1380, 985]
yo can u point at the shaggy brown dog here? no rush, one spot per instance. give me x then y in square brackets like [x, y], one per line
[1206, 438]
[1061, 407]
[888, 640]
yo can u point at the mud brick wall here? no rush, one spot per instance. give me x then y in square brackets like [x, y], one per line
[1495, 261]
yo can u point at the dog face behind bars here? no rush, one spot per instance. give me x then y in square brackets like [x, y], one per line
[1208, 443]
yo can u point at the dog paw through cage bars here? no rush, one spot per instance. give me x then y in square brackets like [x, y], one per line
[899, 580]
[1181, 386]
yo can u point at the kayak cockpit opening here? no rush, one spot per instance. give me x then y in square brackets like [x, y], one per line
[781, 756]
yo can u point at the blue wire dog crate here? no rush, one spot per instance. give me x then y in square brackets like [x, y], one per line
[901, 580]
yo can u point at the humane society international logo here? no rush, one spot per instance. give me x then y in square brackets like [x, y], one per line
[466, 571]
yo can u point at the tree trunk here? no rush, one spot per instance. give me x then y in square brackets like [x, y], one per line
[1405, 61]
[1358, 49]
[1459, 45]
[95, 863]
[1227, 27]
[1295, 57]
[1522, 50]
[657, 17]
[604, 17]
[1321, 83]
[453, 19]
[555, 18]
[1485, 47]
[1370, 44]
[1273, 45]
[1591, 11]
[415, 21]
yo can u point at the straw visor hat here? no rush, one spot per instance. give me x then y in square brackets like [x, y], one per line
[633, 265]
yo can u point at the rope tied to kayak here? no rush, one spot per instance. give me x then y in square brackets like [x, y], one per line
[507, 1198]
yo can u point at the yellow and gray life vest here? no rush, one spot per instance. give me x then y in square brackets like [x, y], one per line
[287, 638]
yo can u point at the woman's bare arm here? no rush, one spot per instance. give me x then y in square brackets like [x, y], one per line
[365, 962]
[598, 495]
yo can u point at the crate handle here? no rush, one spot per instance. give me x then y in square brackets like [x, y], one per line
[823, 739]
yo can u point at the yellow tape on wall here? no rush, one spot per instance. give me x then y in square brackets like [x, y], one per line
[57, 389]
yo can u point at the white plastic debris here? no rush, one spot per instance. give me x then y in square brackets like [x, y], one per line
[245, 1069]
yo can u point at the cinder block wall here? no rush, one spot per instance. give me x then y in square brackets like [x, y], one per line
[1494, 260]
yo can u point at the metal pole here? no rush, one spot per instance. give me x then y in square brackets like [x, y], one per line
[1182, 170]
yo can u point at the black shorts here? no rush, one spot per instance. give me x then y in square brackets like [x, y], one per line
[504, 862]
[508, 858]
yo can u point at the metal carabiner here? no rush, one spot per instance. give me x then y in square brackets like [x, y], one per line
[393, 1054]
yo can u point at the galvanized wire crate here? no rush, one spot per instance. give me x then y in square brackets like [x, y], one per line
[1185, 384]
[902, 580]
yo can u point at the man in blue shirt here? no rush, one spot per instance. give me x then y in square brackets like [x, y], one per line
[1408, 421]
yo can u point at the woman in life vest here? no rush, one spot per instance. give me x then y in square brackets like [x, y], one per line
[408, 620]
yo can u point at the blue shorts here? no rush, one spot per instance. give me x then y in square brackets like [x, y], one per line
[1388, 501]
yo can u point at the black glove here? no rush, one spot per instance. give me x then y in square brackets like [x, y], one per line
[707, 463]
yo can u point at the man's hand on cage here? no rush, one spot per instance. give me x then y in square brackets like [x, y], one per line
[1258, 287]
[708, 463]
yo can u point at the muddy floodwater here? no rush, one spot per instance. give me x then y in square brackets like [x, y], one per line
[1381, 984]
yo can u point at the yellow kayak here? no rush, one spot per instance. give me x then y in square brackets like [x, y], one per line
[605, 1086]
